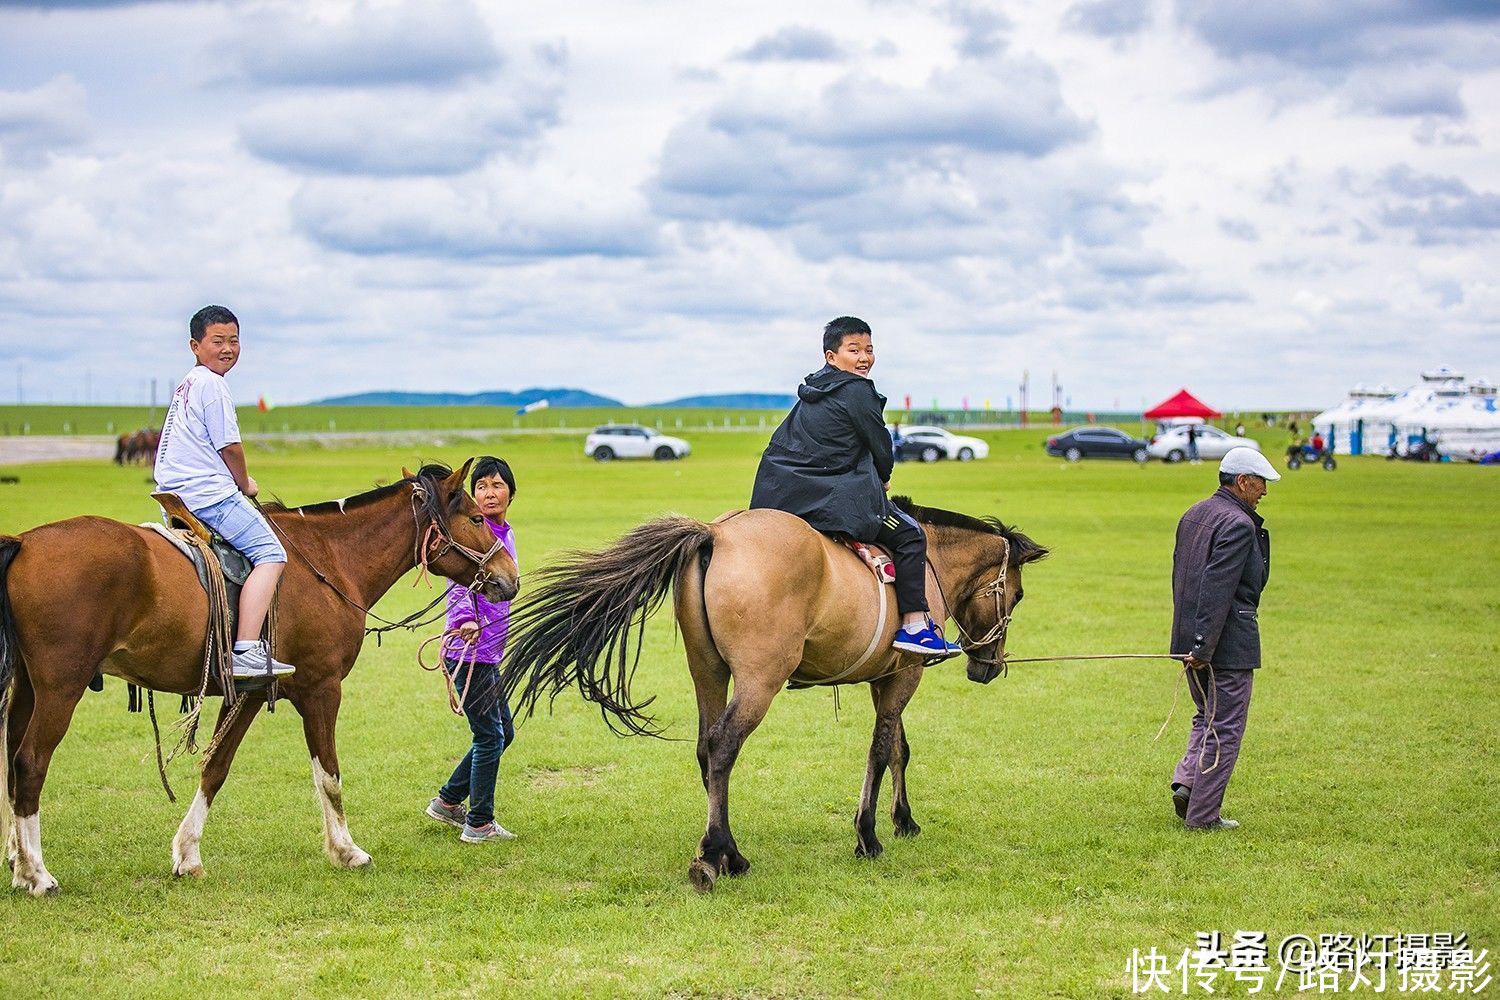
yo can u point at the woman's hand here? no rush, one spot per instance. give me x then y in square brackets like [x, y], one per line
[251, 486]
[469, 633]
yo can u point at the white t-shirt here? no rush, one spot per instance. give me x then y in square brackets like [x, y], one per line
[199, 422]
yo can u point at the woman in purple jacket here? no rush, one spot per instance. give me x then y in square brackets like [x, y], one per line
[477, 630]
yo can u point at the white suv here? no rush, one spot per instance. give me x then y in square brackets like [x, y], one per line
[614, 441]
[955, 446]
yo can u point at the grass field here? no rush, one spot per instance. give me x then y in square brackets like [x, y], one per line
[326, 419]
[1049, 850]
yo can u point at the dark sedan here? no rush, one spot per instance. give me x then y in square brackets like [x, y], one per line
[1096, 442]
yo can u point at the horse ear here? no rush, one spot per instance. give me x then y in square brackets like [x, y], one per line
[407, 473]
[460, 475]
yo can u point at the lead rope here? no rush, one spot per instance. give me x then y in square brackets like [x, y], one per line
[470, 652]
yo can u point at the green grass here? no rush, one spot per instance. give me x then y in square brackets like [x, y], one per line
[1049, 850]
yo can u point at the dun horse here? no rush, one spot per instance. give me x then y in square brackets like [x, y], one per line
[762, 599]
[91, 594]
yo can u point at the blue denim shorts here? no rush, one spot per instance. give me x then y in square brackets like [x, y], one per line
[243, 527]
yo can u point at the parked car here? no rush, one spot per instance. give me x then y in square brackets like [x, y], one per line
[1213, 443]
[1096, 442]
[614, 441]
[928, 444]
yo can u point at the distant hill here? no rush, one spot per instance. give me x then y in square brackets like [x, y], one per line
[494, 397]
[737, 400]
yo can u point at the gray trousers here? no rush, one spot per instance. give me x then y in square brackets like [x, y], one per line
[1227, 700]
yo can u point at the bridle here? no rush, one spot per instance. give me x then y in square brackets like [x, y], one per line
[438, 532]
[996, 634]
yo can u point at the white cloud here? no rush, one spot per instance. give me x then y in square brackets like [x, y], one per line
[40, 120]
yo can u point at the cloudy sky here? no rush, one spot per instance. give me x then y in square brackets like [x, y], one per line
[1267, 202]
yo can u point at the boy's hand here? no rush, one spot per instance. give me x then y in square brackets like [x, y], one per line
[469, 632]
[886, 485]
[251, 488]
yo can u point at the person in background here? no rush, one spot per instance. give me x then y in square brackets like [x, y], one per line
[1239, 429]
[472, 653]
[1192, 443]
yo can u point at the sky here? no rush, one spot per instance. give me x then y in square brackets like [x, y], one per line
[1265, 202]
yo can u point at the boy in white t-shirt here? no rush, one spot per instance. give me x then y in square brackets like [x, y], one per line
[201, 460]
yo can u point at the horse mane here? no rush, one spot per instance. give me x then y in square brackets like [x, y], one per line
[429, 474]
[1023, 549]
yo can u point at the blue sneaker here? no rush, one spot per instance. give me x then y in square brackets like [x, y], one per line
[928, 642]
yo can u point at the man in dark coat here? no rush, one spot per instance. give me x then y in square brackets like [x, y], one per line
[830, 464]
[1219, 568]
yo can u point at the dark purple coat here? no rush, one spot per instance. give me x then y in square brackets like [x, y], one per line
[1219, 568]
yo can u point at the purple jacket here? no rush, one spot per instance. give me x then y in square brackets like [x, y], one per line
[494, 618]
[1219, 568]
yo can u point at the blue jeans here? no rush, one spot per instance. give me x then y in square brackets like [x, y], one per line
[241, 525]
[494, 730]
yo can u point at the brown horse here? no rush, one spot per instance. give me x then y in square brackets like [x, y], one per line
[762, 599]
[91, 594]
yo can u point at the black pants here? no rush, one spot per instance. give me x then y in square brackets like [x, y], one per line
[908, 547]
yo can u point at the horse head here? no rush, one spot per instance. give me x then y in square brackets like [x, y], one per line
[453, 539]
[984, 614]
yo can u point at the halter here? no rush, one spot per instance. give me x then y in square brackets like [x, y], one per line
[437, 532]
[997, 632]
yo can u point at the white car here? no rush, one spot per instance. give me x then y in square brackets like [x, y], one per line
[1212, 443]
[920, 439]
[614, 441]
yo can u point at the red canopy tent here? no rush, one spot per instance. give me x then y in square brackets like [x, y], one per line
[1184, 404]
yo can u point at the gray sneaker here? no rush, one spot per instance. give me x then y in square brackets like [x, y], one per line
[444, 813]
[484, 834]
[253, 664]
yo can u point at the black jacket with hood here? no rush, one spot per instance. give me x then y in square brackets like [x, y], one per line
[830, 458]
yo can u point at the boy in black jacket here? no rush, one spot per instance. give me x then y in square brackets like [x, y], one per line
[830, 464]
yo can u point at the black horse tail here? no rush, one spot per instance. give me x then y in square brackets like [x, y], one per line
[575, 628]
[10, 640]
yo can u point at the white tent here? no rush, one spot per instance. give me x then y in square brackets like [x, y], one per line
[1467, 428]
[1394, 425]
[1343, 425]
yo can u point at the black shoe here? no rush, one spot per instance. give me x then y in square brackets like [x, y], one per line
[1180, 795]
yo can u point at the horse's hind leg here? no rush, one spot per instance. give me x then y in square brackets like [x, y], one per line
[890, 695]
[51, 712]
[185, 858]
[17, 718]
[711, 685]
[717, 852]
[320, 710]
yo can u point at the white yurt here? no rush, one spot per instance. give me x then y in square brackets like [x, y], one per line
[1394, 425]
[1343, 425]
[1467, 428]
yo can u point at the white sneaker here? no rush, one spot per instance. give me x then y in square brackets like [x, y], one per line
[252, 664]
[483, 834]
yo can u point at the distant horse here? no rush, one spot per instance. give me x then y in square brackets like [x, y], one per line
[762, 599]
[90, 594]
[137, 446]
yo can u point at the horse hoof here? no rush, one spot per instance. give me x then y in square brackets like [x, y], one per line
[47, 888]
[702, 875]
[190, 871]
[873, 850]
[908, 829]
[358, 859]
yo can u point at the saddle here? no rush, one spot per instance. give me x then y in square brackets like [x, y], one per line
[214, 557]
[875, 557]
[222, 571]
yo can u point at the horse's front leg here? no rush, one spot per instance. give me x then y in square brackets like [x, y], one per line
[890, 695]
[185, 858]
[900, 808]
[320, 710]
